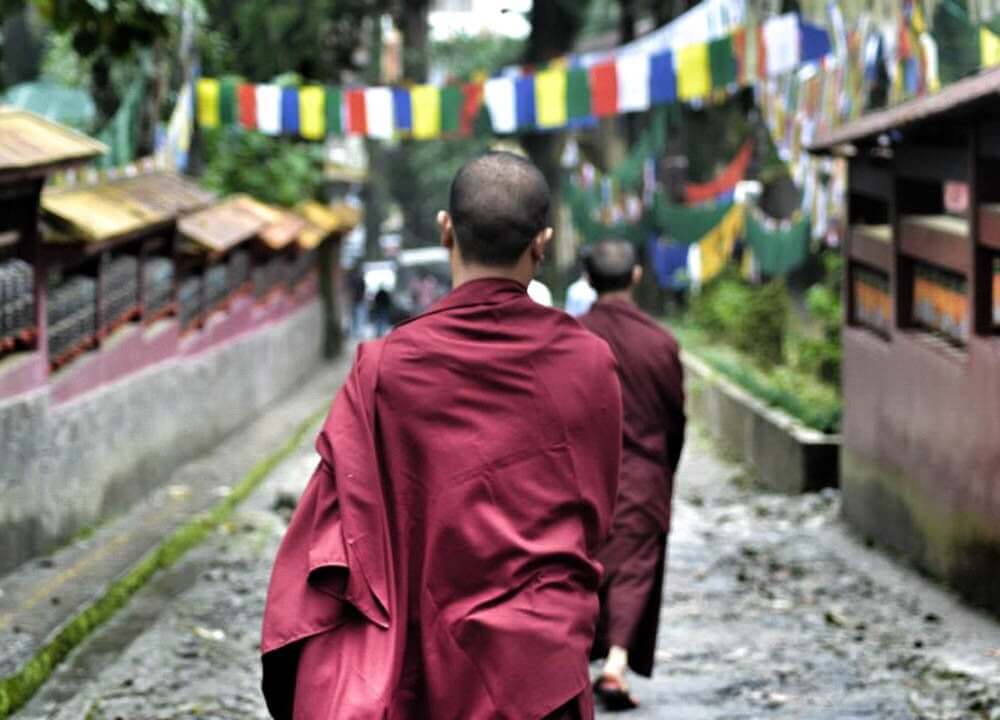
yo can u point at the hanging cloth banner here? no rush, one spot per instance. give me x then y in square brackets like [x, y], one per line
[669, 263]
[716, 248]
[565, 94]
[683, 224]
[725, 182]
[777, 250]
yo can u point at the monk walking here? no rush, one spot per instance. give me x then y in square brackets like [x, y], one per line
[441, 563]
[634, 558]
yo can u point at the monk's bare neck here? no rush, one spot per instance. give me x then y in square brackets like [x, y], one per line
[617, 295]
[463, 273]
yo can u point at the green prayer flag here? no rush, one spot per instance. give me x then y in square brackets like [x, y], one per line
[577, 94]
[722, 61]
[228, 103]
[683, 224]
[334, 122]
[778, 251]
[451, 109]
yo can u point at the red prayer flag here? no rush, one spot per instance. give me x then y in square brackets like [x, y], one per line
[740, 51]
[248, 106]
[604, 89]
[357, 115]
[472, 103]
[724, 182]
[761, 53]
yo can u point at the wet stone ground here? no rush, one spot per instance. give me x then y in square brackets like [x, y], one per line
[771, 611]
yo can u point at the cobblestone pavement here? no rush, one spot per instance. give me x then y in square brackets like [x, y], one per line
[771, 611]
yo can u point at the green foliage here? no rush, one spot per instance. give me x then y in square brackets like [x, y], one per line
[752, 319]
[743, 331]
[821, 356]
[814, 403]
[117, 27]
[274, 170]
[260, 39]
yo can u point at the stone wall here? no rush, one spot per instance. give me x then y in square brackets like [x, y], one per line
[66, 466]
[782, 454]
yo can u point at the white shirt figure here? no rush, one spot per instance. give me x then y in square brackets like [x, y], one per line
[540, 293]
[579, 297]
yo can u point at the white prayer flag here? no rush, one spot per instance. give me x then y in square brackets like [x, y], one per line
[633, 82]
[783, 43]
[379, 113]
[499, 94]
[269, 109]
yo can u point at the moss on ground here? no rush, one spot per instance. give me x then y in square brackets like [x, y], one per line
[17, 689]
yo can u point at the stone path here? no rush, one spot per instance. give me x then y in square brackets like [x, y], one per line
[771, 611]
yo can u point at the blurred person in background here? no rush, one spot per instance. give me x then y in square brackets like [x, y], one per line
[634, 558]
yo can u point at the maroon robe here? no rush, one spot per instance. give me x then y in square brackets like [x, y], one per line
[441, 562]
[634, 558]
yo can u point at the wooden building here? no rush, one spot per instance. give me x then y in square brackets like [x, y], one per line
[920, 467]
[31, 148]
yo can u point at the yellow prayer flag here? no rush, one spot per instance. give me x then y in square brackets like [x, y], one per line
[550, 98]
[717, 245]
[694, 77]
[208, 102]
[312, 112]
[989, 48]
[425, 101]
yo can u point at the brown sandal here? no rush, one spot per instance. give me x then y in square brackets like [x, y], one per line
[613, 695]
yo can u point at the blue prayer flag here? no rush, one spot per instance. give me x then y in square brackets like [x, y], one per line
[669, 264]
[524, 98]
[290, 110]
[662, 78]
[402, 108]
[815, 42]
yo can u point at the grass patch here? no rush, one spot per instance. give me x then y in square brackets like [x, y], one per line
[814, 403]
[17, 689]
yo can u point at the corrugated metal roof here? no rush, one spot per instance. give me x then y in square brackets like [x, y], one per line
[116, 209]
[954, 97]
[222, 226]
[29, 142]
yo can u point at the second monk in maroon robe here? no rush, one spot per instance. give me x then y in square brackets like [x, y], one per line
[652, 383]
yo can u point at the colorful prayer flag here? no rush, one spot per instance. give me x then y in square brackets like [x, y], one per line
[333, 110]
[248, 106]
[694, 78]
[783, 40]
[716, 247]
[989, 47]
[379, 113]
[426, 101]
[269, 109]
[402, 109]
[472, 106]
[207, 92]
[451, 109]
[578, 93]
[290, 110]
[604, 89]
[524, 92]
[632, 71]
[501, 104]
[550, 98]
[662, 78]
[228, 106]
[722, 62]
[357, 116]
[815, 42]
[312, 112]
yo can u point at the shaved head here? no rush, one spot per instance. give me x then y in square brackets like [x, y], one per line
[610, 264]
[499, 203]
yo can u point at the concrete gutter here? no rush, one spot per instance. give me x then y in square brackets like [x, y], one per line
[49, 606]
[783, 454]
